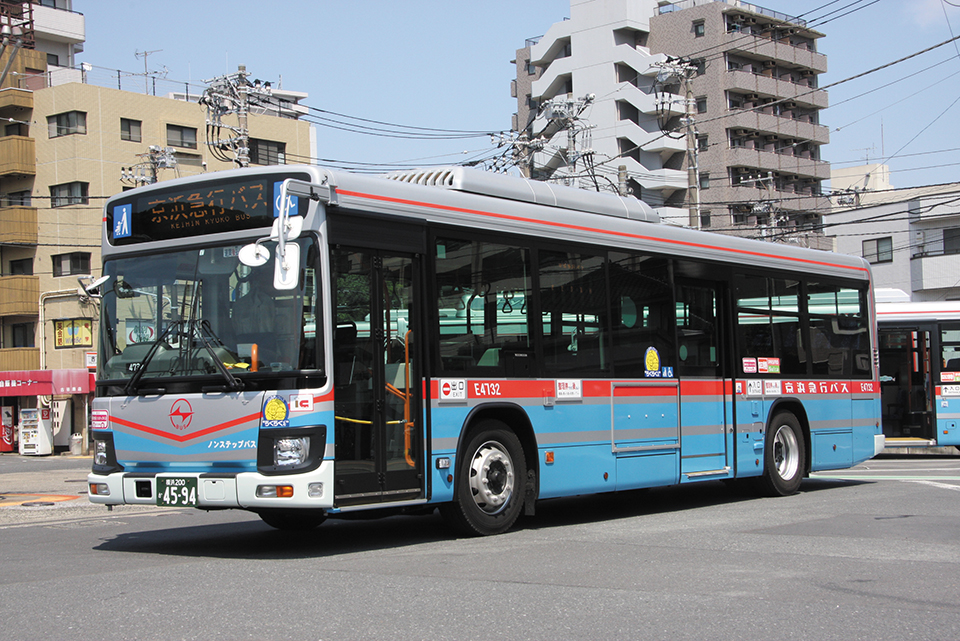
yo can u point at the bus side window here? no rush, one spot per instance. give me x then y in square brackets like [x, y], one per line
[482, 315]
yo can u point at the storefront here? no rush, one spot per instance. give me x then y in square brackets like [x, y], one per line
[61, 398]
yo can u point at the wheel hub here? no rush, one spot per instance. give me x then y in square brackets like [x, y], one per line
[492, 478]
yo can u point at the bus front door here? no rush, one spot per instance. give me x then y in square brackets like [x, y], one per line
[906, 383]
[377, 391]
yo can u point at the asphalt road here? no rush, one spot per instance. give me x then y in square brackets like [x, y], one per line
[868, 553]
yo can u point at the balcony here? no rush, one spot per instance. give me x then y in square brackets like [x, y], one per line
[13, 100]
[18, 225]
[19, 295]
[747, 82]
[58, 24]
[19, 359]
[18, 156]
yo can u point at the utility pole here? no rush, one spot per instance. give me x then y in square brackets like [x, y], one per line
[226, 96]
[683, 71]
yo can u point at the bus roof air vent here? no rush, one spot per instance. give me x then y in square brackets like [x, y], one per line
[487, 183]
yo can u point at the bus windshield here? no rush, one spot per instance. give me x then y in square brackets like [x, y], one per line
[199, 313]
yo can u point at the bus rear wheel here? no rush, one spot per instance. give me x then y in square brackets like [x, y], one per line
[291, 519]
[490, 482]
[784, 456]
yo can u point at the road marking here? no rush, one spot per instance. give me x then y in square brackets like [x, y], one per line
[880, 477]
[8, 499]
[945, 486]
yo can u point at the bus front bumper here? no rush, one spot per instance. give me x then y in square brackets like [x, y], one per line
[245, 490]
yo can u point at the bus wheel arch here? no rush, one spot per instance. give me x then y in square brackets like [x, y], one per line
[495, 471]
[786, 450]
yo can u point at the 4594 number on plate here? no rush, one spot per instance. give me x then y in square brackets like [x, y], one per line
[177, 491]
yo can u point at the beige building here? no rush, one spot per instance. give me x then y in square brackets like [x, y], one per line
[67, 146]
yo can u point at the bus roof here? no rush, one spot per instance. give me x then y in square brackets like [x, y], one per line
[918, 312]
[506, 204]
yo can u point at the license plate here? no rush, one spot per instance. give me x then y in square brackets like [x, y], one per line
[174, 491]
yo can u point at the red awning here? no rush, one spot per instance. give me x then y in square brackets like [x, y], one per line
[46, 382]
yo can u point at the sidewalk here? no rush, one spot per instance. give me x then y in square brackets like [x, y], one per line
[55, 475]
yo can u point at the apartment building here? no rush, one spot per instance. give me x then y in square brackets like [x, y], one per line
[591, 109]
[750, 81]
[757, 120]
[68, 145]
[911, 237]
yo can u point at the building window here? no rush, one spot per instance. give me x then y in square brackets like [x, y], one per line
[878, 250]
[699, 29]
[267, 152]
[53, 60]
[21, 334]
[702, 105]
[130, 130]
[951, 240]
[21, 267]
[72, 263]
[16, 199]
[704, 180]
[73, 332]
[71, 122]
[705, 219]
[178, 136]
[702, 143]
[74, 193]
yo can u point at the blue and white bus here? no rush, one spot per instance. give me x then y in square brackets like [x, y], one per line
[305, 343]
[920, 373]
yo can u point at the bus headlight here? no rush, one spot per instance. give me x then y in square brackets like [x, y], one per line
[291, 452]
[99, 452]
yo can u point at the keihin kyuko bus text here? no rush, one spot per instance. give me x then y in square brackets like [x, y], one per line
[305, 343]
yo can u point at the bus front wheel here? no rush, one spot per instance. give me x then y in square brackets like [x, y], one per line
[490, 479]
[784, 456]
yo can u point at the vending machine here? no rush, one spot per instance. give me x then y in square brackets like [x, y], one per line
[6, 429]
[36, 435]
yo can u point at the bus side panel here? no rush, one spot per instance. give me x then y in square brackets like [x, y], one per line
[867, 429]
[577, 433]
[948, 414]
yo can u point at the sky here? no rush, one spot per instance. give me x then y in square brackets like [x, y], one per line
[446, 64]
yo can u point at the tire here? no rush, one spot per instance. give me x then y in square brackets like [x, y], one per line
[490, 482]
[784, 456]
[292, 520]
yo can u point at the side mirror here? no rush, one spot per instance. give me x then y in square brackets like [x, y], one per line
[253, 255]
[286, 269]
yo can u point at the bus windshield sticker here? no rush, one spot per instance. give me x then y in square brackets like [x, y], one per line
[651, 361]
[276, 413]
[121, 221]
[293, 208]
[749, 366]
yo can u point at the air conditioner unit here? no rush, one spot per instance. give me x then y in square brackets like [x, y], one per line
[740, 132]
[806, 73]
[790, 105]
[770, 138]
[769, 64]
[752, 96]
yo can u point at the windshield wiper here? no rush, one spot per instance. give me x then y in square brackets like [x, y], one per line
[131, 387]
[233, 383]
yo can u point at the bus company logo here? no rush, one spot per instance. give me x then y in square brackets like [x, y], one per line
[301, 403]
[276, 413]
[181, 414]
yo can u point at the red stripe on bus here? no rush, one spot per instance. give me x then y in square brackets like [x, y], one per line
[462, 210]
[183, 438]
